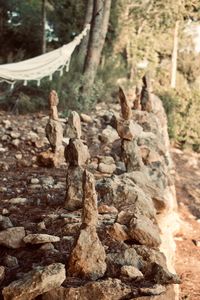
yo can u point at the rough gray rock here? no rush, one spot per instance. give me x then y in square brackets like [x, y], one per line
[73, 127]
[131, 156]
[109, 135]
[39, 238]
[76, 153]
[90, 211]
[109, 289]
[128, 129]
[5, 223]
[54, 134]
[144, 231]
[74, 190]
[122, 193]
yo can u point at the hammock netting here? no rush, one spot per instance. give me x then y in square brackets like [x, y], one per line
[41, 66]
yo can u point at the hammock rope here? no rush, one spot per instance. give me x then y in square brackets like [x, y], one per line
[44, 65]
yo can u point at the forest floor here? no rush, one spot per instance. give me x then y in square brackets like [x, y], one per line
[19, 171]
[188, 239]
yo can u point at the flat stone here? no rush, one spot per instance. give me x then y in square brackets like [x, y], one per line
[39, 238]
[36, 282]
[155, 290]
[105, 209]
[131, 272]
[17, 200]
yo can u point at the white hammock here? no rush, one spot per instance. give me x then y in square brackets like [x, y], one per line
[41, 66]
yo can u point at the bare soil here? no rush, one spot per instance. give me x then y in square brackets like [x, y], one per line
[188, 239]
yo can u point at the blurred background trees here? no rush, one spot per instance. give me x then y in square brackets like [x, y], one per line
[127, 38]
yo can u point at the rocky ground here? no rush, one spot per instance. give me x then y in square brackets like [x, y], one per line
[37, 228]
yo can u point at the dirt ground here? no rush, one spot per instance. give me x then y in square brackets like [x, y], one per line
[188, 239]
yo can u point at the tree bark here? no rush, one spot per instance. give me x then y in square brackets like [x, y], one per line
[99, 28]
[44, 17]
[174, 56]
[84, 44]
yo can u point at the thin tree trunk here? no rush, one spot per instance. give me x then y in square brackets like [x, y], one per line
[99, 28]
[84, 44]
[174, 56]
[44, 17]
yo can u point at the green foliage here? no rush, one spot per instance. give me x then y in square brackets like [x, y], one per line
[67, 18]
[170, 102]
[183, 111]
[188, 65]
[24, 100]
[18, 34]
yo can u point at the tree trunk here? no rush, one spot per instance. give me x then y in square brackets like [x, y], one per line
[84, 44]
[44, 17]
[174, 56]
[99, 28]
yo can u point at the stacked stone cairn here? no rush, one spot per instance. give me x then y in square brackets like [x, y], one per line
[54, 134]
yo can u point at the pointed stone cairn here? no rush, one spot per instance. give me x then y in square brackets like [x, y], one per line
[145, 97]
[54, 134]
[87, 259]
[76, 155]
[125, 106]
[128, 130]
